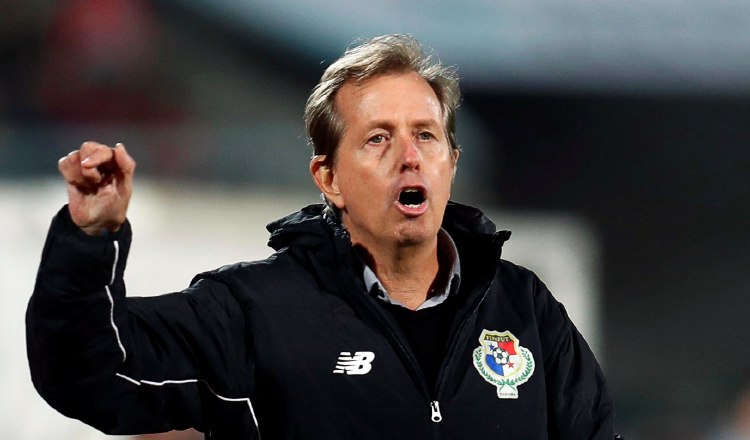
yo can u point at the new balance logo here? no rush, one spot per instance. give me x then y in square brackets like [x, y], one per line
[358, 363]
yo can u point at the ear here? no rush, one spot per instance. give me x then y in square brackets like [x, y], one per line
[325, 179]
[455, 152]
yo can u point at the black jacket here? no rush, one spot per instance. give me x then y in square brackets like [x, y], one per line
[293, 346]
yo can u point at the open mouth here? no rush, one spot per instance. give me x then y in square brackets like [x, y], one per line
[411, 197]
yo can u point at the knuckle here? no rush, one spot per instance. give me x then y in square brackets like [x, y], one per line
[90, 147]
[65, 163]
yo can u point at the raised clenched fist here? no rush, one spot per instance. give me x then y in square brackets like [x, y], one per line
[100, 182]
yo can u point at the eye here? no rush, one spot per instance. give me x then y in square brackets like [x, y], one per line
[425, 136]
[377, 139]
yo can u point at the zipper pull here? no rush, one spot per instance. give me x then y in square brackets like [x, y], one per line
[435, 408]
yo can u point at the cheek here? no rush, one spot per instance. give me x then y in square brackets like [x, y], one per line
[355, 188]
[444, 177]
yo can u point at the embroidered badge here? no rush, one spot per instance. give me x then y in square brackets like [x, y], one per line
[502, 362]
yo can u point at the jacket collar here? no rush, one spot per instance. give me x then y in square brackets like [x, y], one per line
[313, 226]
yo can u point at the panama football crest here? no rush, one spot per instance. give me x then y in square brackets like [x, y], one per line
[502, 362]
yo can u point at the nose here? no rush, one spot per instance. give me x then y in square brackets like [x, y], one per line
[410, 155]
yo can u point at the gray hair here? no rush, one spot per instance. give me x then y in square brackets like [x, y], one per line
[370, 58]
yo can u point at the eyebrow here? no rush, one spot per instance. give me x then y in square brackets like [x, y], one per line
[421, 122]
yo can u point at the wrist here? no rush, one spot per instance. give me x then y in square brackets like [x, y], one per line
[99, 230]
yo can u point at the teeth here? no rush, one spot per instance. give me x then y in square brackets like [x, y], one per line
[411, 197]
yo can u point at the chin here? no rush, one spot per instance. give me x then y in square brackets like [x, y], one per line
[412, 236]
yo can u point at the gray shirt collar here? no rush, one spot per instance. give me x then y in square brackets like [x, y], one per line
[447, 248]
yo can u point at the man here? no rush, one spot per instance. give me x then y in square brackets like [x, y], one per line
[385, 313]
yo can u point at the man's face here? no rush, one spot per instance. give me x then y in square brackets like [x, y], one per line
[394, 166]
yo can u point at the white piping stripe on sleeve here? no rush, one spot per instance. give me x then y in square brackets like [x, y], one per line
[187, 381]
[165, 382]
[133, 381]
[112, 301]
[114, 264]
[112, 323]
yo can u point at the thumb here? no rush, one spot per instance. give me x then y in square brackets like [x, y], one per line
[125, 163]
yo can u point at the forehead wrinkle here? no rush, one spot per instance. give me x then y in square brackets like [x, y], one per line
[373, 110]
[420, 118]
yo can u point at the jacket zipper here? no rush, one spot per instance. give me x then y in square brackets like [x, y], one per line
[435, 408]
[458, 339]
[451, 354]
[412, 364]
[436, 415]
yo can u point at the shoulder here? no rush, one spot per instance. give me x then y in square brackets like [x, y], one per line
[522, 285]
[282, 271]
[520, 277]
[280, 262]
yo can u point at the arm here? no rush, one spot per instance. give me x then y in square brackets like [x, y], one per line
[578, 402]
[129, 365]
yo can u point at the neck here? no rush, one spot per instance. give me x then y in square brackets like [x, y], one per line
[407, 272]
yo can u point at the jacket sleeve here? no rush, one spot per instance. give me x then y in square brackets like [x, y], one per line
[135, 365]
[578, 402]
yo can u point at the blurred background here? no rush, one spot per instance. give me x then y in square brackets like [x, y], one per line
[613, 135]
